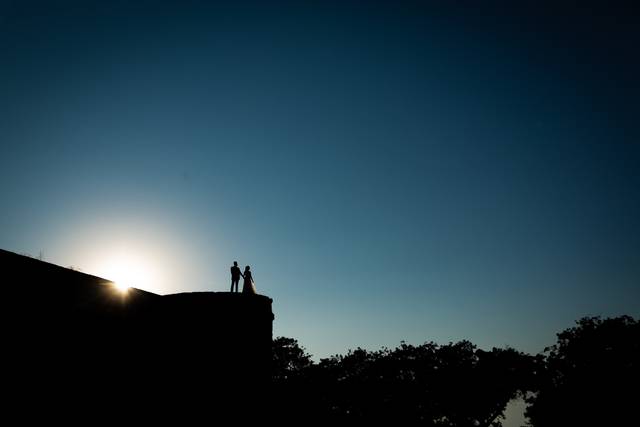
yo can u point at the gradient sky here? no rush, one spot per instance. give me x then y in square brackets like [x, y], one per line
[391, 171]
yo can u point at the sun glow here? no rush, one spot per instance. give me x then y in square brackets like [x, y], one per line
[122, 287]
[133, 248]
[127, 271]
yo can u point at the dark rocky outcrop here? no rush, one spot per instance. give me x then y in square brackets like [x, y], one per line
[76, 344]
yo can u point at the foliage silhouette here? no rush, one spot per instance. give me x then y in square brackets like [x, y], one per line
[289, 359]
[591, 376]
[451, 385]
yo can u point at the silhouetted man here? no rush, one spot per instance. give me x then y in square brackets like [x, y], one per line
[235, 275]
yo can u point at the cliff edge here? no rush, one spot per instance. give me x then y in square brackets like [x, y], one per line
[74, 337]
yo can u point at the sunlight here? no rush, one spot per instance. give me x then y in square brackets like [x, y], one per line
[138, 252]
[121, 287]
[127, 271]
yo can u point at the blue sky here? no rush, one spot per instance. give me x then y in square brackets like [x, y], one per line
[391, 171]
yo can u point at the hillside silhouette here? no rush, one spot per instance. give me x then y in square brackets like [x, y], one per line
[76, 344]
[80, 350]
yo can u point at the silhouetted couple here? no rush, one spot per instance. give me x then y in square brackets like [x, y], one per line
[248, 286]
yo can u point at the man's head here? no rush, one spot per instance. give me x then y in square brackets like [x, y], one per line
[235, 263]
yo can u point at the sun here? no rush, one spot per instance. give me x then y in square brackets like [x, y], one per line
[121, 286]
[128, 272]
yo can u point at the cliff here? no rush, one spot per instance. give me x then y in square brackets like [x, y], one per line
[74, 338]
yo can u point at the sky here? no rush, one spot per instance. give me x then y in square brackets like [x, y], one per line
[418, 171]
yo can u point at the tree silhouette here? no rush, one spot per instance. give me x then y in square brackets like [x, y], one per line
[289, 358]
[450, 385]
[591, 377]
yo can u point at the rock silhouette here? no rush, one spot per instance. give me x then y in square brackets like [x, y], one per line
[76, 345]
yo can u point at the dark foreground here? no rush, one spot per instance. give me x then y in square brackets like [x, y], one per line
[80, 348]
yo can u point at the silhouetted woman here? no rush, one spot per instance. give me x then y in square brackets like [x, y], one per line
[248, 286]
